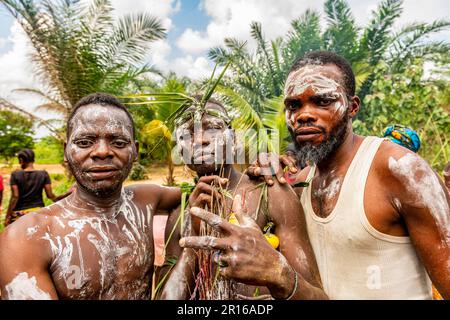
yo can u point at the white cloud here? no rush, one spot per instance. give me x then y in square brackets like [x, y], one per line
[162, 9]
[3, 42]
[191, 67]
[16, 72]
[232, 19]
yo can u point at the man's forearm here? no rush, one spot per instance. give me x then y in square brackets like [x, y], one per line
[181, 279]
[291, 285]
[11, 207]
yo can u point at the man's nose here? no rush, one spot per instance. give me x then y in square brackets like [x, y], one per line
[200, 139]
[102, 150]
[306, 114]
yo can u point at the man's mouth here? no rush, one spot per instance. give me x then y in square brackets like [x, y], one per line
[200, 158]
[307, 133]
[102, 172]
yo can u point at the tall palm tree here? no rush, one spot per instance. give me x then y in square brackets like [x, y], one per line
[79, 48]
[256, 77]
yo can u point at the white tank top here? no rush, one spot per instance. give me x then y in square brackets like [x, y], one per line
[355, 260]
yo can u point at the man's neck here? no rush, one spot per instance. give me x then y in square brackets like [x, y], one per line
[28, 167]
[83, 199]
[341, 156]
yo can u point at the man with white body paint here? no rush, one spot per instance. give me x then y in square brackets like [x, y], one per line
[377, 215]
[208, 149]
[97, 243]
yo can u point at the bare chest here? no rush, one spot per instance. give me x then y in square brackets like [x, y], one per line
[101, 259]
[325, 193]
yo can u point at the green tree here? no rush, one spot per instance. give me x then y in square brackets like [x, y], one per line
[49, 150]
[16, 133]
[79, 48]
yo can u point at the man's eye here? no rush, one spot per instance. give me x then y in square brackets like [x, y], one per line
[325, 102]
[120, 143]
[292, 105]
[83, 143]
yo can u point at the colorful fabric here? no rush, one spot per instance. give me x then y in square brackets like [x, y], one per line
[403, 136]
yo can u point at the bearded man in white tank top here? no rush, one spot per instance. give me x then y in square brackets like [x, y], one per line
[377, 215]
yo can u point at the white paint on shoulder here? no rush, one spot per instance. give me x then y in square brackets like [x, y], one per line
[31, 231]
[22, 287]
[424, 184]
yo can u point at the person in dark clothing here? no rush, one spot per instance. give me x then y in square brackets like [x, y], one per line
[26, 188]
[1, 193]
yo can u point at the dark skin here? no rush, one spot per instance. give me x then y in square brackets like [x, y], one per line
[97, 243]
[409, 209]
[274, 271]
[447, 176]
[28, 166]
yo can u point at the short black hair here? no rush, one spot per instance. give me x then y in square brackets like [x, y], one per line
[103, 99]
[26, 155]
[328, 57]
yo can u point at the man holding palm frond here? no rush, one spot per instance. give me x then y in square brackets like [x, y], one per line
[268, 247]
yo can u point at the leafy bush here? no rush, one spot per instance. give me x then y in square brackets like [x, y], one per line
[49, 150]
[412, 100]
[138, 172]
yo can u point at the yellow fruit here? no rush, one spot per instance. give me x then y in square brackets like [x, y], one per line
[272, 239]
[233, 220]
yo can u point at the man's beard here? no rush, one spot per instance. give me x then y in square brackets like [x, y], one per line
[308, 154]
[98, 189]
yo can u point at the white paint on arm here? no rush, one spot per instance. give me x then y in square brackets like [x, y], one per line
[423, 183]
[22, 287]
[31, 231]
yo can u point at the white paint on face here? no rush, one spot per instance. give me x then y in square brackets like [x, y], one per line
[300, 80]
[31, 231]
[311, 76]
[22, 287]
[89, 115]
[423, 184]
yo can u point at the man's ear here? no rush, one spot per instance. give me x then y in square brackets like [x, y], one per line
[136, 145]
[65, 157]
[354, 106]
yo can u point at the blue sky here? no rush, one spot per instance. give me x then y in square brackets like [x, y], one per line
[194, 26]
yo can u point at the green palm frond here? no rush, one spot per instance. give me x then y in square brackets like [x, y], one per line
[80, 49]
[304, 36]
[274, 120]
[341, 33]
[410, 42]
[132, 35]
[376, 38]
[376, 35]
